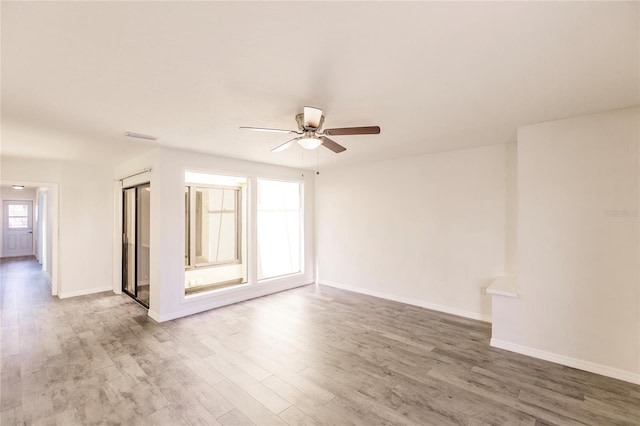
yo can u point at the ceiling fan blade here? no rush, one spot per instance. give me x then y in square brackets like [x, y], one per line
[262, 129]
[333, 146]
[368, 130]
[284, 146]
[312, 117]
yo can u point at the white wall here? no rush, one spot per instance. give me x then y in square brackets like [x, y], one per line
[429, 230]
[84, 206]
[8, 193]
[167, 275]
[85, 228]
[578, 281]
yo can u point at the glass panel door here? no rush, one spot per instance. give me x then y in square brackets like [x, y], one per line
[142, 237]
[136, 242]
[129, 242]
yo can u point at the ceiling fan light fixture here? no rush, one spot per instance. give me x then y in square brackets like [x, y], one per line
[309, 142]
[310, 134]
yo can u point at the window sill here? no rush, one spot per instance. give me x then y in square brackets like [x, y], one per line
[206, 288]
[280, 277]
[215, 291]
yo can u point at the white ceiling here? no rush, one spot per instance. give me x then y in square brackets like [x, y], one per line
[434, 76]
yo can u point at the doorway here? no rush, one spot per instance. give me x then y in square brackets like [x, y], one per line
[136, 242]
[42, 239]
[17, 228]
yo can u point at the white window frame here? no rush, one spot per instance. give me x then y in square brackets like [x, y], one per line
[191, 263]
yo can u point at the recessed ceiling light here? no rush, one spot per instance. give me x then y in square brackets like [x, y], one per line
[17, 186]
[140, 136]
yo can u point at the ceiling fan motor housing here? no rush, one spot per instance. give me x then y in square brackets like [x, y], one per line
[303, 128]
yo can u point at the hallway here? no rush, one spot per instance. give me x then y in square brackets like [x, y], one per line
[23, 285]
[49, 352]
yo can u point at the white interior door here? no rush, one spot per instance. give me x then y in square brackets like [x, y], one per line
[18, 228]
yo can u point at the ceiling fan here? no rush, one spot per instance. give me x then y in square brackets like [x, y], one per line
[311, 135]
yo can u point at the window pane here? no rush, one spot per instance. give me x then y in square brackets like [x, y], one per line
[18, 222]
[18, 210]
[214, 199]
[228, 199]
[216, 228]
[222, 237]
[279, 222]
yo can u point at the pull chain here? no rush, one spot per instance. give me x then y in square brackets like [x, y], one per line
[318, 160]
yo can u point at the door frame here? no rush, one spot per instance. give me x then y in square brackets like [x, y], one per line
[133, 179]
[123, 189]
[53, 205]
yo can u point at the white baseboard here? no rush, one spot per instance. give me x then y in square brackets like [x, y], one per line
[83, 292]
[47, 278]
[154, 315]
[410, 301]
[580, 364]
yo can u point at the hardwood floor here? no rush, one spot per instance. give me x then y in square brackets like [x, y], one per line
[314, 355]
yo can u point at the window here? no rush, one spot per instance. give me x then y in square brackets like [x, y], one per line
[18, 216]
[217, 225]
[214, 231]
[279, 228]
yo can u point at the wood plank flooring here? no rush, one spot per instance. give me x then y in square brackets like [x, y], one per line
[309, 356]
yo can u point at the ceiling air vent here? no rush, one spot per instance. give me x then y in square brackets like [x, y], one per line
[140, 136]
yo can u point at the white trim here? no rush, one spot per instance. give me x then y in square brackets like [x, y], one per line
[47, 277]
[504, 286]
[146, 170]
[505, 293]
[206, 294]
[410, 301]
[84, 292]
[580, 364]
[154, 316]
[224, 300]
[117, 237]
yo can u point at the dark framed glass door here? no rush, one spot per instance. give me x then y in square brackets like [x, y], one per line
[136, 209]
